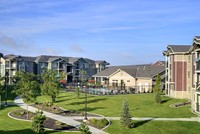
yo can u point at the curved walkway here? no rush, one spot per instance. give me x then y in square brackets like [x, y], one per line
[70, 120]
[65, 119]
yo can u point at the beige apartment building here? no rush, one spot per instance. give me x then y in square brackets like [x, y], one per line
[140, 78]
[178, 71]
[183, 72]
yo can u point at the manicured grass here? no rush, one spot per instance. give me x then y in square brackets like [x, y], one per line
[11, 126]
[141, 105]
[155, 127]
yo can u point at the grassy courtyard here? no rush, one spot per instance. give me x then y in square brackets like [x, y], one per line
[141, 105]
[155, 127]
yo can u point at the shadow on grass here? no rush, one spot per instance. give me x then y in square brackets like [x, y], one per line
[8, 106]
[83, 97]
[89, 109]
[165, 100]
[24, 131]
[57, 101]
[140, 123]
[89, 101]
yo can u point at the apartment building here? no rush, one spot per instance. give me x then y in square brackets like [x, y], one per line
[183, 72]
[71, 66]
[178, 71]
[195, 94]
[13, 63]
[140, 78]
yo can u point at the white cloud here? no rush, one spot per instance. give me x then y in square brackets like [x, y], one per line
[76, 48]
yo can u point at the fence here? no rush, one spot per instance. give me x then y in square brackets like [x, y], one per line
[109, 90]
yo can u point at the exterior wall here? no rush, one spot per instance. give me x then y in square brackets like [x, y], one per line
[122, 76]
[179, 75]
[2, 67]
[144, 85]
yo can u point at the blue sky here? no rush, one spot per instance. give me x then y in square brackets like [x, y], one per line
[119, 31]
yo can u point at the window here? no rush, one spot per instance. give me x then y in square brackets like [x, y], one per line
[128, 80]
[188, 74]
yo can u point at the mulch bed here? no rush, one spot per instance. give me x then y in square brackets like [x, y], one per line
[60, 111]
[48, 123]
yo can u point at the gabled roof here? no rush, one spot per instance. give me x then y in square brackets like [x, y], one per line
[101, 61]
[30, 59]
[44, 58]
[107, 72]
[179, 48]
[146, 70]
[131, 72]
[89, 60]
[13, 57]
[197, 39]
[73, 59]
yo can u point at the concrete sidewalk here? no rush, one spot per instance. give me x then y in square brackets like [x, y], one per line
[70, 120]
[64, 119]
[159, 119]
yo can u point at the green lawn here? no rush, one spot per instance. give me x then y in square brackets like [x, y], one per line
[155, 127]
[11, 126]
[141, 105]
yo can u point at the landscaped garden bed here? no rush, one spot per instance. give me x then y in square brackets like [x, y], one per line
[48, 123]
[181, 104]
[60, 111]
[97, 123]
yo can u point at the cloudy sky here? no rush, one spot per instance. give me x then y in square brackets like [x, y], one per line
[118, 31]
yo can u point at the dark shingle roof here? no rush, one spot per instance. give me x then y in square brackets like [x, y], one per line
[89, 61]
[147, 70]
[107, 72]
[27, 58]
[43, 58]
[180, 48]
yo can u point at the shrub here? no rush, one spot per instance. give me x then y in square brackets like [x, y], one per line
[158, 98]
[98, 123]
[102, 123]
[37, 122]
[84, 129]
[93, 121]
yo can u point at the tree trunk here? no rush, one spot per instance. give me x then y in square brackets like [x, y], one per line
[27, 111]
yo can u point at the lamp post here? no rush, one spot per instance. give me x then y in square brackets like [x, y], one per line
[1, 55]
[6, 85]
[85, 118]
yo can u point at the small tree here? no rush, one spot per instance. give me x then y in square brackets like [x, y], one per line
[158, 98]
[157, 87]
[27, 87]
[157, 90]
[84, 129]
[125, 116]
[51, 84]
[77, 92]
[37, 122]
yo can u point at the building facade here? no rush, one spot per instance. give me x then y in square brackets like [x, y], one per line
[140, 78]
[71, 66]
[178, 71]
[183, 72]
